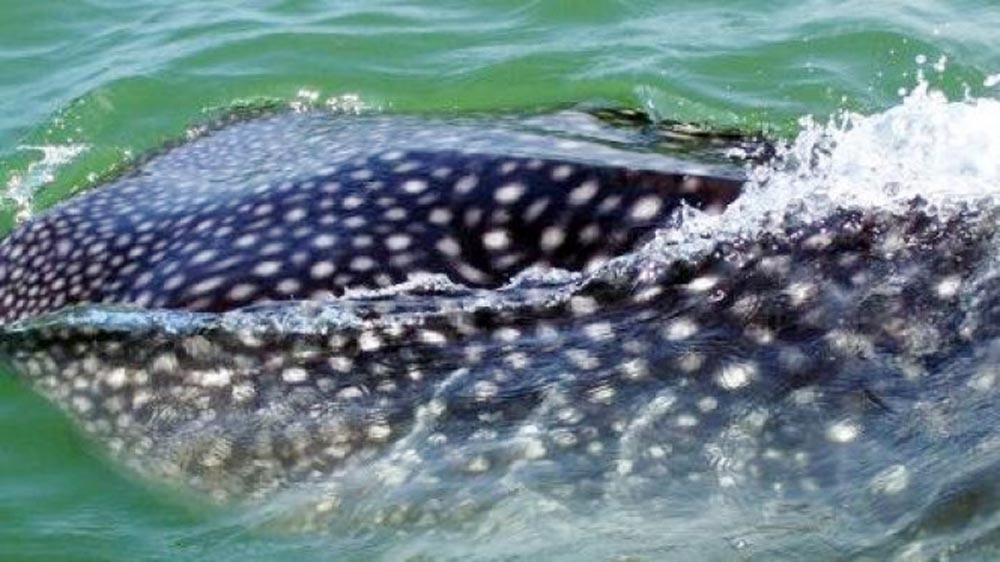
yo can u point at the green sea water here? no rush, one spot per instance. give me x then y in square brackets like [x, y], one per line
[88, 85]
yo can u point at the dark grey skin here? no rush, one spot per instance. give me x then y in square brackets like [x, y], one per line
[222, 237]
[833, 361]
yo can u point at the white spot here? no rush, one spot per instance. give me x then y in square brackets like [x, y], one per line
[948, 287]
[646, 208]
[351, 202]
[496, 240]
[267, 268]
[599, 331]
[143, 279]
[536, 209]
[116, 378]
[702, 284]
[369, 341]
[398, 242]
[242, 291]
[288, 286]
[610, 204]
[735, 376]
[635, 368]
[63, 247]
[603, 394]
[82, 404]
[892, 480]
[583, 193]
[356, 221]
[165, 363]
[507, 334]
[294, 375]
[843, 431]
[590, 233]
[533, 449]
[206, 285]
[414, 186]
[449, 247]
[379, 431]
[174, 281]
[509, 193]
[243, 392]
[470, 273]
[466, 184]
[708, 404]
[691, 361]
[203, 256]
[362, 263]
[396, 214]
[439, 215]
[214, 378]
[340, 363]
[799, 293]
[583, 359]
[486, 390]
[433, 337]
[473, 216]
[582, 305]
[686, 420]
[406, 167]
[680, 329]
[350, 393]
[295, 215]
[552, 238]
[245, 241]
[818, 241]
[322, 269]
[985, 378]
[97, 248]
[560, 173]
[478, 464]
[324, 241]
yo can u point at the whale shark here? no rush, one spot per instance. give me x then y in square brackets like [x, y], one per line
[446, 312]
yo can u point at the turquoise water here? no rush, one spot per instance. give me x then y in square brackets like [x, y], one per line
[97, 83]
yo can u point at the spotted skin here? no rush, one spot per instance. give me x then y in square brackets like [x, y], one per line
[628, 389]
[356, 221]
[821, 361]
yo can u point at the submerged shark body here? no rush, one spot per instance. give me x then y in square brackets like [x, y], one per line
[834, 357]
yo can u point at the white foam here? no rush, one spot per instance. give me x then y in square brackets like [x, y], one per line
[927, 146]
[21, 189]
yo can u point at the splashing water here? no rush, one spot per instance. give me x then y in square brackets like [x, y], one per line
[927, 148]
[21, 189]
